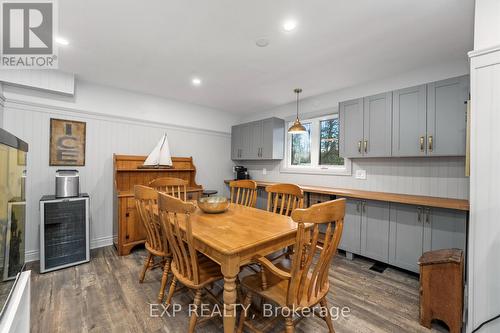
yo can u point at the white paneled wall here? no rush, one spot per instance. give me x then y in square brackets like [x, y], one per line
[105, 136]
[484, 226]
[441, 177]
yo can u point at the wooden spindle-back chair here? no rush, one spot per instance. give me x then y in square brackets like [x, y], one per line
[146, 199]
[175, 187]
[284, 198]
[189, 267]
[307, 283]
[243, 192]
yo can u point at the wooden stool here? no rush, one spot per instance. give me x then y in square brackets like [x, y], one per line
[441, 288]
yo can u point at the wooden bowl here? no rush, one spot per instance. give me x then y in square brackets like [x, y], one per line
[213, 205]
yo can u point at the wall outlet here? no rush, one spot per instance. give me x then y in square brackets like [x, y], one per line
[264, 171]
[360, 174]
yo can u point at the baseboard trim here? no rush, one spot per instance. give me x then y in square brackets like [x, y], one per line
[34, 255]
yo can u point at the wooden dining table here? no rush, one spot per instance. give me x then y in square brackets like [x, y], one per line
[233, 238]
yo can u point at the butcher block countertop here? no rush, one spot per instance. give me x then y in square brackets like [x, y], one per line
[418, 200]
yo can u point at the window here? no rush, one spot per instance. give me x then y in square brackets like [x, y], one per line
[317, 150]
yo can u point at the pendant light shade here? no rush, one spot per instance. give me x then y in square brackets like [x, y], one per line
[297, 127]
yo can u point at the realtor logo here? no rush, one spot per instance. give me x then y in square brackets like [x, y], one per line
[28, 30]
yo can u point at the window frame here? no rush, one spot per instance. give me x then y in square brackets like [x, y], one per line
[314, 167]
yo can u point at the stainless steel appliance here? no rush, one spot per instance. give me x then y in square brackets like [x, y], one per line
[13, 152]
[240, 172]
[67, 183]
[64, 232]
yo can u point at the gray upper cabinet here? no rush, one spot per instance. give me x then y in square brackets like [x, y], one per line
[235, 142]
[351, 233]
[245, 142]
[446, 116]
[351, 128]
[365, 126]
[258, 140]
[377, 125]
[409, 121]
[426, 120]
[375, 230]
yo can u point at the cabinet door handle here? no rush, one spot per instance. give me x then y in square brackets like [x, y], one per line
[427, 216]
[366, 146]
[359, 147]
[419, 214]
[363, 206]
[422, 143]
[357, 206]
[430, 143]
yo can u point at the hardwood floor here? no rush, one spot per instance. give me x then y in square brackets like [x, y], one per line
[105, 296]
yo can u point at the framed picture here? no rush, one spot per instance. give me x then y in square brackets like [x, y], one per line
[67, 142]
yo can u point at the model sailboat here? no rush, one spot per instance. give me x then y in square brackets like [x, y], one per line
[160, 156]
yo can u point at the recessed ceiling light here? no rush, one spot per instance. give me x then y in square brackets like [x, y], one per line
[262, 42]
[289, 25]
[196, 81]
[61, 41]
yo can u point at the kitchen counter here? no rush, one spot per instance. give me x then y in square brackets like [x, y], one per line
[418, 200]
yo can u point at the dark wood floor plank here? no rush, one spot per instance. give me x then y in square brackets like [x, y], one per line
[105, 296]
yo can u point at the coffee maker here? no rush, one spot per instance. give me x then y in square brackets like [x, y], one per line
[240, 172]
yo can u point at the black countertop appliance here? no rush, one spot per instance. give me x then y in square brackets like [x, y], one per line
[240, 172]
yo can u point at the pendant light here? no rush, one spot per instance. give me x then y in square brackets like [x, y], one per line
[297, 127]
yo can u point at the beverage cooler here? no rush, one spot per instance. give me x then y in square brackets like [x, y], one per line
[13, 153]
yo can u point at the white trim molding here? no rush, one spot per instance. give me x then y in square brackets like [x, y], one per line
[70, 112]
[484, 230]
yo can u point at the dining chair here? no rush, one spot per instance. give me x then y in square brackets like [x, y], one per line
[284, 198]
[189, 267]
[175, 187]
[306, 283]
[243, 192]
[145, 201]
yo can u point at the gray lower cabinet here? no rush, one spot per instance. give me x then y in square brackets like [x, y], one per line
[415, 230]
[406, 236]
[444, 229]
[375, 230]
[351, 234]
[258, 140]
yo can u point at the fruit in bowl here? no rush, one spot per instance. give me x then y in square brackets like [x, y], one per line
[213, 205]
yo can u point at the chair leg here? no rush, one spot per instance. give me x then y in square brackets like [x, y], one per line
[289, 324]
[328, 318]
[166, 269]
[244, 311]
[194, 317]
[145, 268]
[171, 291]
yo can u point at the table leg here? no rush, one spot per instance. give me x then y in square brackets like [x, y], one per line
[230, 270]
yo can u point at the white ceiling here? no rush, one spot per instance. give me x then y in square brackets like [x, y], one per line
[157, 46]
